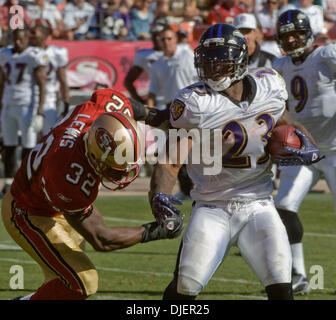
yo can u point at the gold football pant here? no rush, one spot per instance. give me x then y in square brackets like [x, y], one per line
[56, 247]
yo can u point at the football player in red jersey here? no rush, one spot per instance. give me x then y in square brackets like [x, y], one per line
[50, 203]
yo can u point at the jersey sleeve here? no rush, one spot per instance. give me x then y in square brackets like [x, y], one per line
[62, 57]
[272, 83]
[328, 55]
[184, 110]
[277, 65]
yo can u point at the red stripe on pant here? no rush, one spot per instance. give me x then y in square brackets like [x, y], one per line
[48, 256]
[55, 290]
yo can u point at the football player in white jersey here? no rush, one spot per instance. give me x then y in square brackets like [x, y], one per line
[233, 207]
[309, 73]
[56, 74]
[21, 68]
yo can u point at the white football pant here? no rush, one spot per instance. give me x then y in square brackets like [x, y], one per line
[15, 119]
[254, 226]
[296, 181]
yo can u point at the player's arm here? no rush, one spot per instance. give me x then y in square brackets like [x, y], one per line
[133, 74]
[41, 79]
[164, 178]
[104, 238]
[153, 117]
[61, 76]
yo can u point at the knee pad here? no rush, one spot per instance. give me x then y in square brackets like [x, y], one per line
[171, 293]
[279, 291]
[293, 225]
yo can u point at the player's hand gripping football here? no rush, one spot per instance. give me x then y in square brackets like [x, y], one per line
[306, 155]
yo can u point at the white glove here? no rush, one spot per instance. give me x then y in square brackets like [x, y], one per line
[37, 123]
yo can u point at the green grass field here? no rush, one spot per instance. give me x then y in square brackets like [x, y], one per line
[143, 271]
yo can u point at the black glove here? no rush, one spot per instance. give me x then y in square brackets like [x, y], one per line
[306, 155]
[170, 228]
[158, 118]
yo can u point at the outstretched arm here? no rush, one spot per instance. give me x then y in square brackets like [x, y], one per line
[100, 236]
[104, 238]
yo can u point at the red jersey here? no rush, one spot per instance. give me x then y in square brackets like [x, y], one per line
[56, 176]
[219, 14]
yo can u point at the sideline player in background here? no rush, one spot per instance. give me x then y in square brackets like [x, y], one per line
[56, 73]
[60, 179]
[247, 25]
[234, 207]
[309, 73]
[143, 61]
[21, 68]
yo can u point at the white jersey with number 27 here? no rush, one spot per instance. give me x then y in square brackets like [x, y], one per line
[245, 130]
[19, 75]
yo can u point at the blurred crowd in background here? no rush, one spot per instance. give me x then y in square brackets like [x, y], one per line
[130, 20]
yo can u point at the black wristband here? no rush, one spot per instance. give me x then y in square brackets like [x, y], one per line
[156, 117]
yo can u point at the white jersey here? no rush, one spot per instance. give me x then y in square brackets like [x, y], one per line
[245, 126]
[144, 59]
[57, 58]
[171, 74]
[19, 70]
[311, 89]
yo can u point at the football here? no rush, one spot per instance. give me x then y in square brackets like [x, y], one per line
[283, 136]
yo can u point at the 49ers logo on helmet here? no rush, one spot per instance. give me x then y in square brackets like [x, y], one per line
[104, 140]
